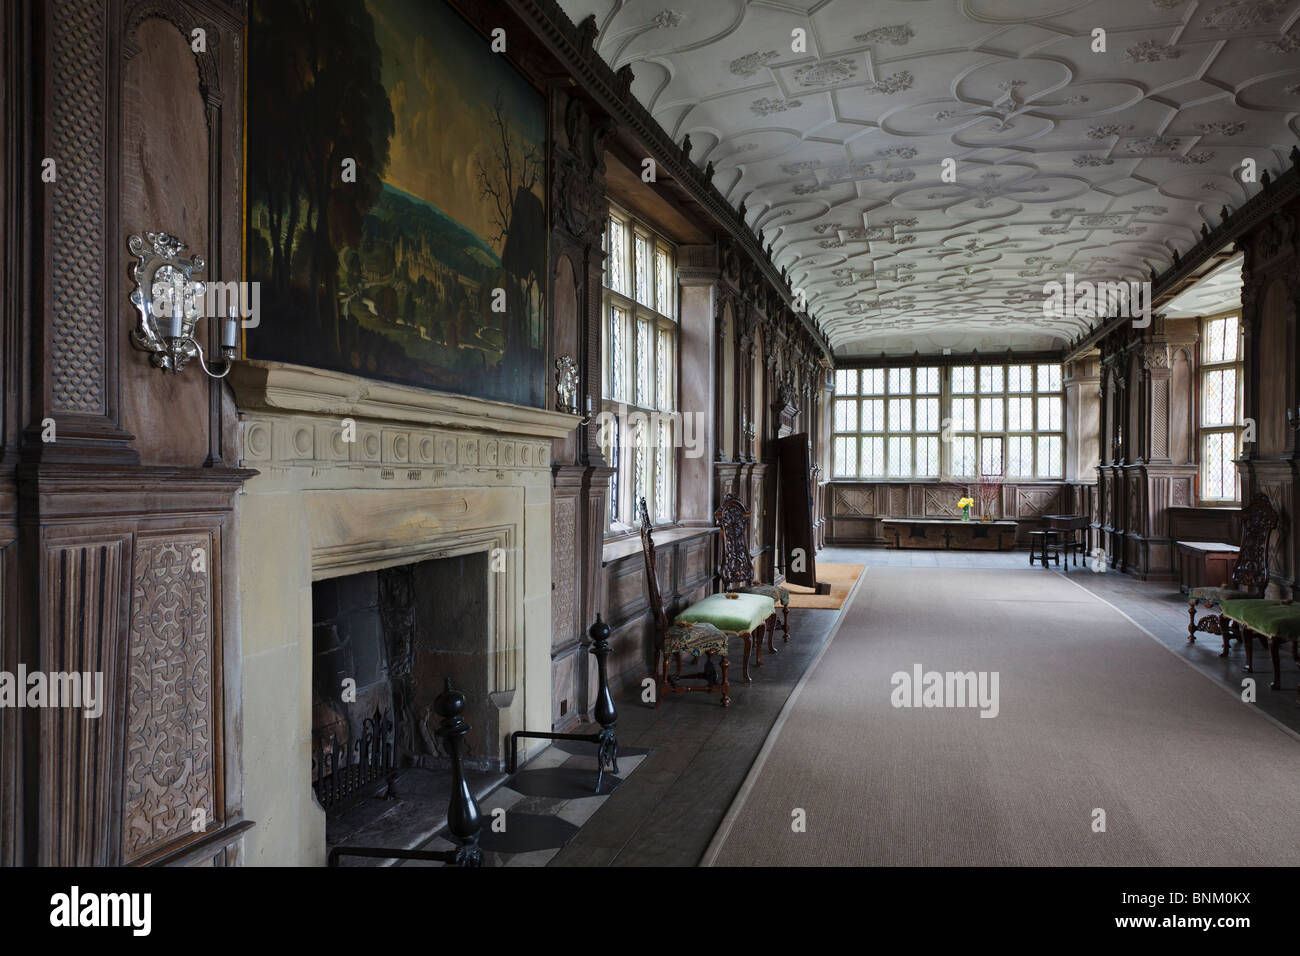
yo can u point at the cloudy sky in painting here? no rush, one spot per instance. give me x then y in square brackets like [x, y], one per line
[442, 77]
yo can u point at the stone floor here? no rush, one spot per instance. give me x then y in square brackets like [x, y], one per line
[699, 753]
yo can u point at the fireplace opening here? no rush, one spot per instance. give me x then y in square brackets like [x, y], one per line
[383, 644]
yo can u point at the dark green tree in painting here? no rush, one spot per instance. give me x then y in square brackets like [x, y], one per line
[507, 183]
[315, 67]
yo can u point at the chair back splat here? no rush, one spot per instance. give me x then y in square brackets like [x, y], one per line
[1257, 523]
[652, 576]
[737, 565]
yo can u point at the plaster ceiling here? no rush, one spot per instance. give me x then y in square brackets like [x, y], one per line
[1217, 292]
[1067, 161]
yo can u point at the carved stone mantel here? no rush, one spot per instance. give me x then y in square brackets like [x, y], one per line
[424, 475]
[276, 386]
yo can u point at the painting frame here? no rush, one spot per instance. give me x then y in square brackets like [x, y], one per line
[535, 371]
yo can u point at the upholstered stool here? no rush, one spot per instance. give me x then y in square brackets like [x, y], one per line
[1278, 621]
[738, 615]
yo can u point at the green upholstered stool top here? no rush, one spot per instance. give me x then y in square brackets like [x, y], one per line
[744, 612]
[777, 593]
[1215, 594]
[1270, 618]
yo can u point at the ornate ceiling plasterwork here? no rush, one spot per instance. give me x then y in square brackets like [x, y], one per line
[1218, 292]
[1100, 164]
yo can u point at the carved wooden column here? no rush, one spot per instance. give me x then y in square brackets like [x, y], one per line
[1270, 303]
[580, 490]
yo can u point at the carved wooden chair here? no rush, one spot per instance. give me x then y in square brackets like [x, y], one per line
[705, 627]
[1249, 575]
[737, 571]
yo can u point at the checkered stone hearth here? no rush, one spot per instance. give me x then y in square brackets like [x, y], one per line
[535, 812]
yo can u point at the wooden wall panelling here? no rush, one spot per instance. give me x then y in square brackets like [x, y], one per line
[82, 610]
[10, 765]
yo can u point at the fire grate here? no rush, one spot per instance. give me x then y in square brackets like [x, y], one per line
[340, 773]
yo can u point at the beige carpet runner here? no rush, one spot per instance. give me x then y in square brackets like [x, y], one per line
[1092, 715]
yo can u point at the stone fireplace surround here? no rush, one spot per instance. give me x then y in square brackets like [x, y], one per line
[429, 475]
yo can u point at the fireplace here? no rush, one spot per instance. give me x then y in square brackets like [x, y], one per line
[383, 644]
[439, 511]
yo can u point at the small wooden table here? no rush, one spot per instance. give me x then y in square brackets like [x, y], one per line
[950, 534]
[1204, 563]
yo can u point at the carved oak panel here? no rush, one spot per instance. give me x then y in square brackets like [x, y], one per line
[170, 719]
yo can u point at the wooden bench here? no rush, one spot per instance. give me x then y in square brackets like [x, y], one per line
[1278, 622]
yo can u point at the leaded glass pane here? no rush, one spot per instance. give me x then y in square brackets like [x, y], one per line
[662, 447]
[614, 446]
[963, 456]
[900, 381]
[1020, 414]
[873, 415]
[963, 380]
[1020, 456]
[846, 415]
[927, 414]
[927, 381]
[616, 354]
[1049, 456]
[663, 369]
[900, 414]
[642, 362]
[927, 458]
[846, 457]
[1219, 400]
[1049, 378]
[873, 381]
[640, 462]
[1219, 474]
[1049, 414]
[617, 256]
[900, 457]
[1230, 338]
[1020, 378]
[963, 414]
[663, 301]
[873, 458]
[643, 285]
[990, 456]
[846, 381]
[991, 379]
[1214, 330]
[990, 414]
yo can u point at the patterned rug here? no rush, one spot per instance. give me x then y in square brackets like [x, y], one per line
[841, 578]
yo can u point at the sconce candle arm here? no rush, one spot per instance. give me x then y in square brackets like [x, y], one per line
[226, 363]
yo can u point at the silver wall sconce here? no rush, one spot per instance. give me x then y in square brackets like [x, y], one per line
[170, 301]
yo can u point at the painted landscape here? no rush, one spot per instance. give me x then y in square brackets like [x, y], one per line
[395, 198]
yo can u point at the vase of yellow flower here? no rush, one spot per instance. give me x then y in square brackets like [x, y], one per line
[964, 504]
